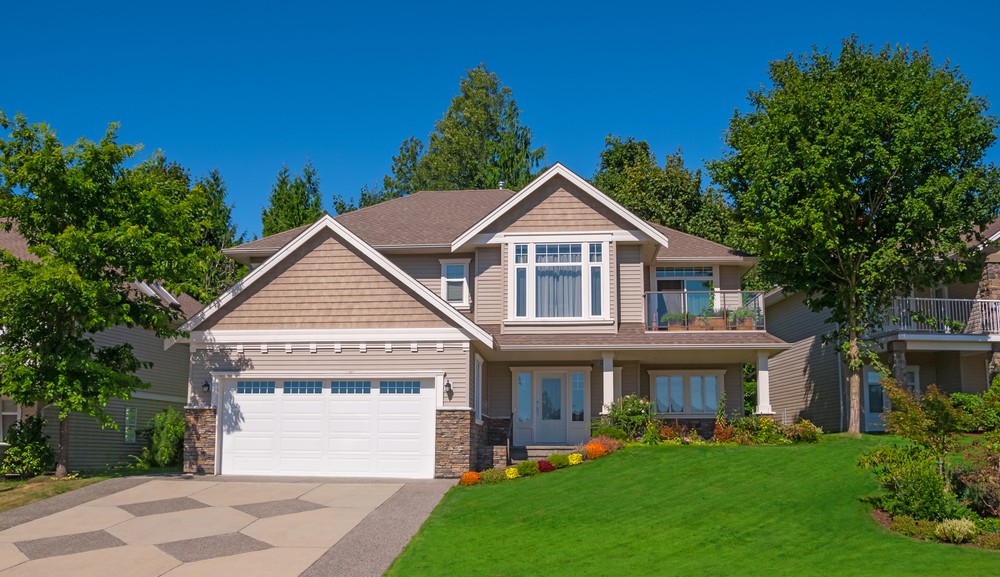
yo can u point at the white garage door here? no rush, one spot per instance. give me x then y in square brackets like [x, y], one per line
[340, 428]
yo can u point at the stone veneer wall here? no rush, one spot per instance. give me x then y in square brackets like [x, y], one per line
[705, 427]
[989, 289]
[199, 440]
[463, 445]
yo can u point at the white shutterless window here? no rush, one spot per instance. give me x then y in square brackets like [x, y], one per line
[455, 282]
[559, 281]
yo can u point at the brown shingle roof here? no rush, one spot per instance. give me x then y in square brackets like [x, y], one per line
[272, 242]
[685, 246]
[635, 335]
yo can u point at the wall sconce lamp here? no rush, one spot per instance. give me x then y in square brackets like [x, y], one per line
[207, 387]
[447, 388]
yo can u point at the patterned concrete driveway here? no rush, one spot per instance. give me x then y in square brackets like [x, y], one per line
[212, 527]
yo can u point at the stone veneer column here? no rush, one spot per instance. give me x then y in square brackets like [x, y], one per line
[454, 449]
[199, 440]
[989, 289]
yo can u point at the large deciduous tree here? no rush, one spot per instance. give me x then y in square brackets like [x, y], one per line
[860, 177]
[295, 201]
[93, 226]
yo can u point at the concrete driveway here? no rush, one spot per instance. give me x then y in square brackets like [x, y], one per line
[217, 527]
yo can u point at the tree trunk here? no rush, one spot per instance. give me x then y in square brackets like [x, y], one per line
[62, 459]
[854, 366]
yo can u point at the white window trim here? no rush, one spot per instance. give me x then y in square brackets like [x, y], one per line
[585, 265]
[720, 384]
[715, 278]
[477, 388]
[16, 412]
[466, 300]
[567, 372]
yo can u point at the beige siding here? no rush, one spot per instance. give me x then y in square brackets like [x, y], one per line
[426, 268]
[729, 277]
[452, 360]
[949, 372]
[558, 206]
[324, 284]
[169, 370]
[630, 283]
[488, 299]
[974, 373]
[790, 320]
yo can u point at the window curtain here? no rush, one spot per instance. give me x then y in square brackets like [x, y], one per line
[558, 291]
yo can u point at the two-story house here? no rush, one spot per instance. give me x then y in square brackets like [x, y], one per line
[417, 337]
[948, 336]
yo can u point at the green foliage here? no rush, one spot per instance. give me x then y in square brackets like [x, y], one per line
[651, 436]
[989, 541]
[631, 414]
[956, 530]
[910, 527]
[758, 430]
[986, 525]
[559, 461]
[492, 476]
[983, 411]
[527, 468]
[369, 196]
[837, 151]
[478, 143]
[29, 453]
[166, 438]
[911, 481]
[295, 201]
[931, 421]
[749, 389]
[600, 427]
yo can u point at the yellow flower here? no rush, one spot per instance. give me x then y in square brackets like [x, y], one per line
[511, 473]
[575, 458]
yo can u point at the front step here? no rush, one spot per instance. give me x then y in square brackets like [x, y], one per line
[539, 452]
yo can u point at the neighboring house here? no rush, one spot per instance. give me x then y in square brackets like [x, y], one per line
[416, 338]
[948, 336]
[92, 447]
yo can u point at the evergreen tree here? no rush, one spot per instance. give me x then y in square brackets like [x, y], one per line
[295, 201]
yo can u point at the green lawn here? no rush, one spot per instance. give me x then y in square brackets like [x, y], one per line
[790, 510]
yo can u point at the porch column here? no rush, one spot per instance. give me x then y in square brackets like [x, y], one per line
[609, 382]
[899, 362]
[763, 386]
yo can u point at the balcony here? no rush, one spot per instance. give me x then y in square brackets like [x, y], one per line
[944, 316]
[720, 310]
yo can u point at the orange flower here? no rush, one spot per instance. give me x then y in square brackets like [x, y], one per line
[470, 478]
[595, 450]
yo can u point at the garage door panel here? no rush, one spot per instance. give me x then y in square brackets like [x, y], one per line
[302, 407]
[297, 424]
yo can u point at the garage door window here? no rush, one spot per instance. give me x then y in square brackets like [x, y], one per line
[351, 387]
[255, 387]
[399, 387]
[302, 387]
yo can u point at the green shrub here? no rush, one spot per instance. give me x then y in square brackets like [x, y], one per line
[982, 411]
[166, 438]
[956, 530]
[989, 541]
[630, 414]
[492, 476]
[559, 461]
[758, 430]
[803, 432]
[910, 527]
[527, 468]
[601, 429]
[987, 525]
[29, 453]
[913, 486]
[652, 434]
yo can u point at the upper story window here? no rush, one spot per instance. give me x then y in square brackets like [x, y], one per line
[684, 289]
[455, 282]
[559, 281]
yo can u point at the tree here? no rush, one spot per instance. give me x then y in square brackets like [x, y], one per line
[295, 201]
[478, 143]
[93, 226]
[860, 178]
[670, 195]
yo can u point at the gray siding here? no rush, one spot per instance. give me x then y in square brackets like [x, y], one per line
[630, 283]
[488, 298]
[729, 277]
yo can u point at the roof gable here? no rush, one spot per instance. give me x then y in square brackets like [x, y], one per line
[309, 239]
[589, 193]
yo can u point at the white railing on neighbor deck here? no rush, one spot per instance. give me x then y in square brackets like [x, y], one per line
[968, 316]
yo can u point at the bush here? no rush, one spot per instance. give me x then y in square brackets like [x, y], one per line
[166, 437]
[803, 432]
[982, 411]
[989, 541]
[469, 478]
[601, 429]
[630, 414]
[956, 530]
[987, 525]
[527, 468]
[758, 430]
[575, 458]
[492, 476]
[29, 453]
[559, 461]
[910, 527]
[669, 432]
[723, 432]
[982, 490]
[511, 473]
[610, 445]
[545, 466]
[595, 450]
[913, 486]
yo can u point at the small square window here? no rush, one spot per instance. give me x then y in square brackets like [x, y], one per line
[399, 387]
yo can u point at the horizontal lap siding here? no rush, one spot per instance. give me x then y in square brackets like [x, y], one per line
[488, 298]
[630, 283]
[558, 206]
[324, 284]
[426, 268]
[452, 360]
[730, 277]
[169, 373]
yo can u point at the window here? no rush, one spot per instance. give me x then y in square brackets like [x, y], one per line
[131, 422]
[455, 281]
[9, 414]
[684, 290]
[477, 388]
[577, 386]
[560, 280]
[255, 387]
[686, 392]
[350, 387]
[524, 397]
[399, 387]
[302, 387]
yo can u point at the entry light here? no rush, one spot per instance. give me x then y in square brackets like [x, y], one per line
[207, 387]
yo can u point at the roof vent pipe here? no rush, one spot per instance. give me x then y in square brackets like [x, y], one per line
[501, 183]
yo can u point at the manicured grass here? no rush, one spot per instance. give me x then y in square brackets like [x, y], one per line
[18, 493]
[790, 510]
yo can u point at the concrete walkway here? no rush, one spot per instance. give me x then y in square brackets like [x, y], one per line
[218, 526]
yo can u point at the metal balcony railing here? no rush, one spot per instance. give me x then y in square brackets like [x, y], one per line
[932, 315]
[719, 310]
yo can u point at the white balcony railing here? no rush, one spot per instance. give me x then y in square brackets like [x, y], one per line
[966, 316]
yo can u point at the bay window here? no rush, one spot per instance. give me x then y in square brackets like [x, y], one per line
[557, 281]
[686, 392]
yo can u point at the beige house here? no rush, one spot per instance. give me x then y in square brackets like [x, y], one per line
[91, 446]
[948, 336]
[427, 335]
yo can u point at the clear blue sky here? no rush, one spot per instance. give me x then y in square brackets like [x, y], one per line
[246, 86]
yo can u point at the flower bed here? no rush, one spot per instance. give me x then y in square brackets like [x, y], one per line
[594, 449]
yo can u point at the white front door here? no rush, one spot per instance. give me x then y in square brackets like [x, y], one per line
[550, 407]
[875, 400]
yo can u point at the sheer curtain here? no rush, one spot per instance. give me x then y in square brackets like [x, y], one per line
[558, 291]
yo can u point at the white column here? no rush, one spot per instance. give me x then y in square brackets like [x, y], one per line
[609, 382]
[763, 386]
